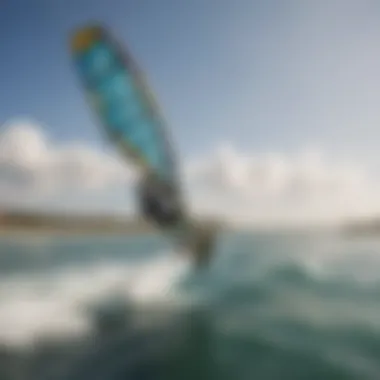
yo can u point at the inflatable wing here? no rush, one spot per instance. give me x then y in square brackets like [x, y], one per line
[124, 103]
[129, 114]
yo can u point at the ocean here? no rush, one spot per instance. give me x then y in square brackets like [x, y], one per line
[270, 306]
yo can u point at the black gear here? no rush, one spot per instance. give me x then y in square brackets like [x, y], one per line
[158, 204]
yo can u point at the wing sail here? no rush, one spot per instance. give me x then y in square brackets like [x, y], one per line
[117, 91]
[124, 103]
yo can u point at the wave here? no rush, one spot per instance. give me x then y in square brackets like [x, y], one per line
[56, 305]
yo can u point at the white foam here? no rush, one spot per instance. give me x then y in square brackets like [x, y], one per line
[51, 305]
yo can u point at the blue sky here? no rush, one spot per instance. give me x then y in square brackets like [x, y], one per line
[261, 74]
[184, 48]
[261, 77]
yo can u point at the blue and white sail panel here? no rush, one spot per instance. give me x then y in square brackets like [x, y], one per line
[122, 100]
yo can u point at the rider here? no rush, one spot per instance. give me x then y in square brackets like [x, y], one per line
[159, 202]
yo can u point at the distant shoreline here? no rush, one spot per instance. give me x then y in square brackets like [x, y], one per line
[14, 232]
[28, 224]
[18, 223]
[369, 227]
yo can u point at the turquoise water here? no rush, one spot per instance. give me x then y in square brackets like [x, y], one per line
[271, 306]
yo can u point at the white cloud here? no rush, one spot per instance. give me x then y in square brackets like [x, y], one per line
[32, 165]
[308, 186]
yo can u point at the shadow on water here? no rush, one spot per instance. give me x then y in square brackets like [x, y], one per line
[168, 346]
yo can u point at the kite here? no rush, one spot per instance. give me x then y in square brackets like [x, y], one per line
[129, 114]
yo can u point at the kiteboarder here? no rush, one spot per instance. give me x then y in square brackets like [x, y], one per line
[129, 114]
[159, 202]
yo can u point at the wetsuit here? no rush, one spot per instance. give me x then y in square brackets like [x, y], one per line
[159, 203]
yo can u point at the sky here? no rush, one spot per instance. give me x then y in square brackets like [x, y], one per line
[273, 105]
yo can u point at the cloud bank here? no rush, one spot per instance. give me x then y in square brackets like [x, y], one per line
[270, 188]
[31, 165]
[277, 188]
